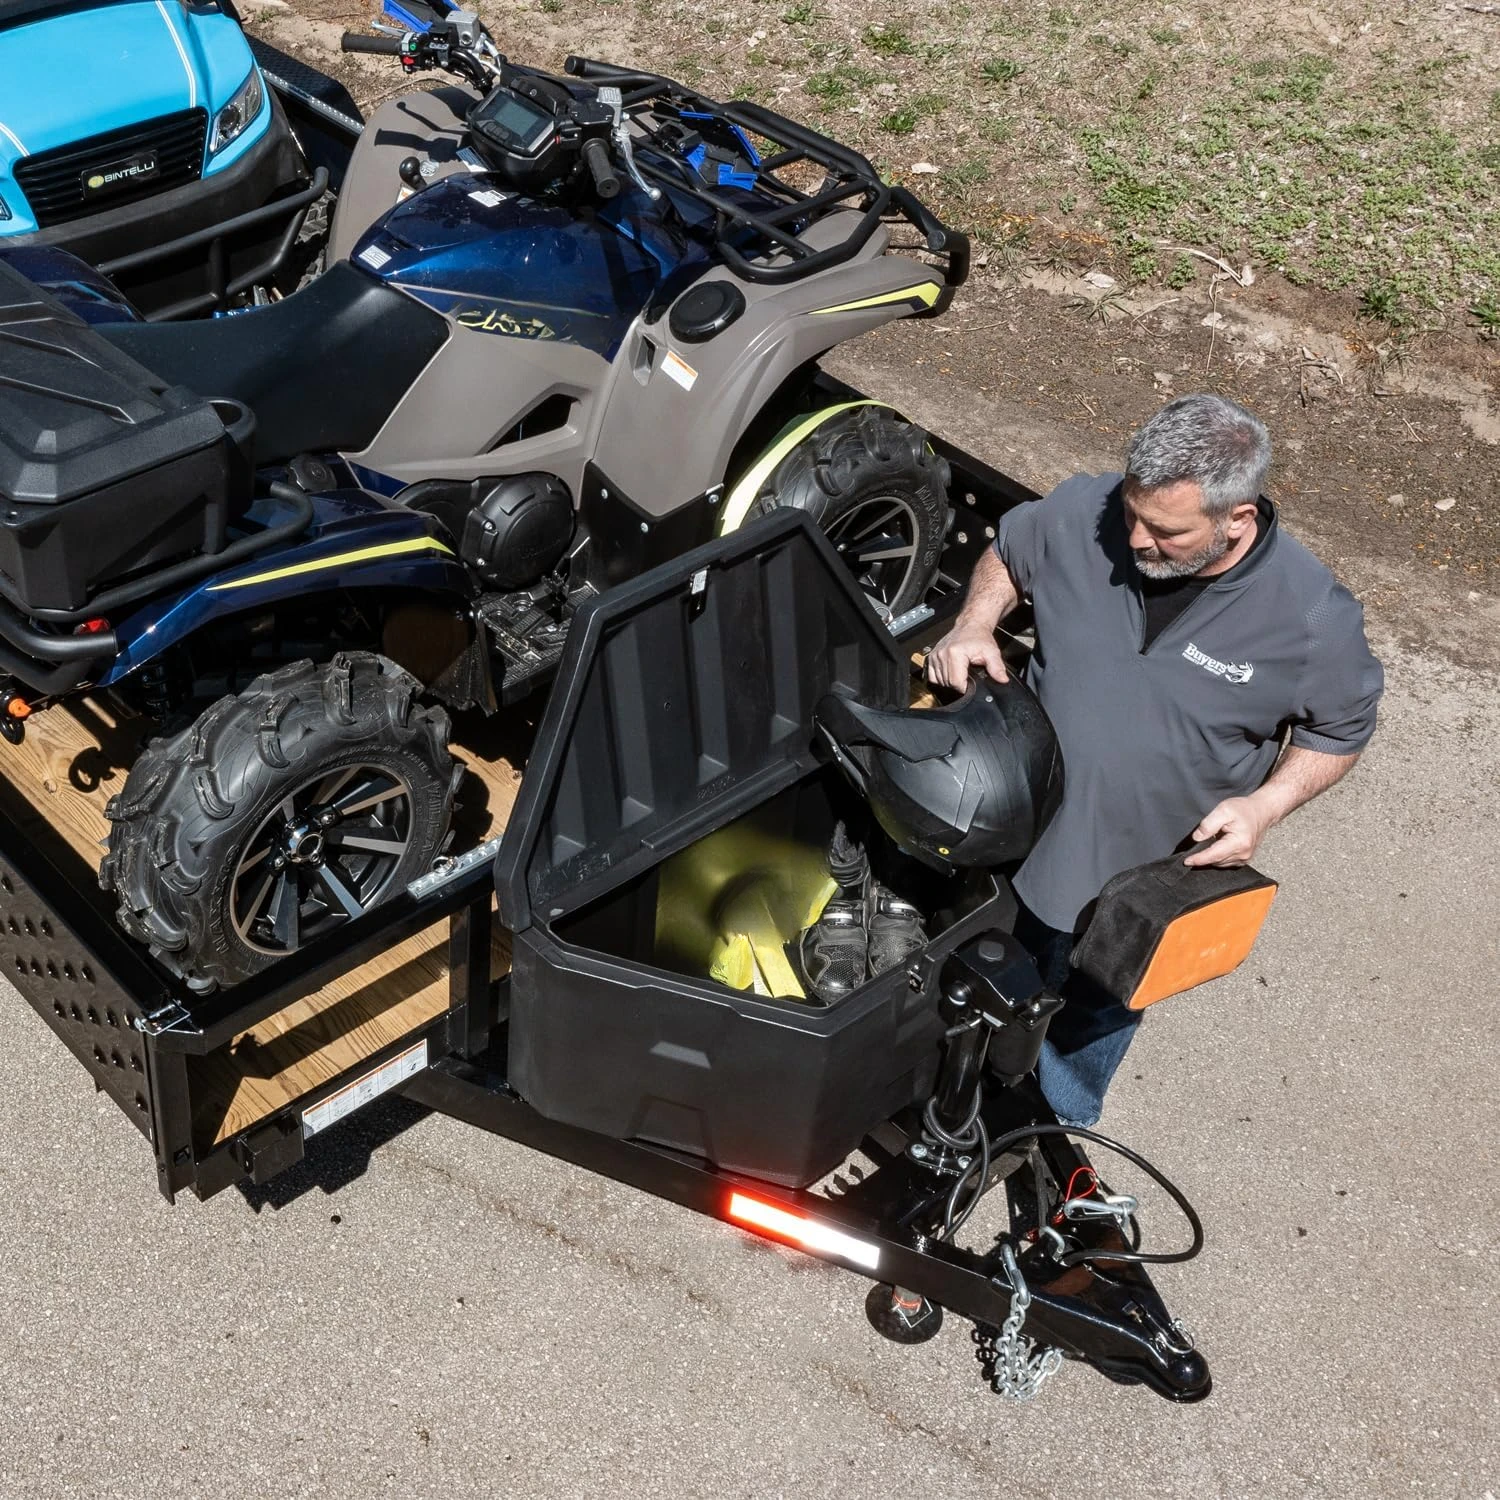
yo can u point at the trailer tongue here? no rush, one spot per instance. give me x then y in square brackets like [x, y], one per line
[868, 1132]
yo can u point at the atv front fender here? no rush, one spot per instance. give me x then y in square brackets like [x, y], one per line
[356, 541]
[707, 394]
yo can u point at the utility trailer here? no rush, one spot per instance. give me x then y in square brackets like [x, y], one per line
[529, 986]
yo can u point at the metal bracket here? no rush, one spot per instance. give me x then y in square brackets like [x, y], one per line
[174, 1016]
[447, 871]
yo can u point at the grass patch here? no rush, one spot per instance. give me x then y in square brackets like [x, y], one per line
[1002, 70]
[1373, 163]
[901, 121]
[1286, 166]
[889, 41]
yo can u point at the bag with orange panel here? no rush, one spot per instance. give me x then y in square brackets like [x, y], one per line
[1165, 927]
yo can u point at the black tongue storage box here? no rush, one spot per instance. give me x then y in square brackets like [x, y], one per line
[105, 471]
[684, 704]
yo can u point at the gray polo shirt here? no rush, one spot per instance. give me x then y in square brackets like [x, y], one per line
[1153, 739]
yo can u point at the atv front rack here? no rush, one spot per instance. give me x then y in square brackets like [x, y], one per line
[767, 244]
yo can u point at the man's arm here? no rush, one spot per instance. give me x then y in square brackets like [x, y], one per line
[1238, 824]
[971, 643]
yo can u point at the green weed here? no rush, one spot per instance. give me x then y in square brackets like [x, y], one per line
[1486, 315]
[1002, 70]
[1182, 274]
[889, 41]
[1382, 301]
[901, 121]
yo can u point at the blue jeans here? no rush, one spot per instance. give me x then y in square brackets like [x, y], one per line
[1088, 1037]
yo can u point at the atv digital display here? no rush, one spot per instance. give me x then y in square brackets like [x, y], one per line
[512, 123]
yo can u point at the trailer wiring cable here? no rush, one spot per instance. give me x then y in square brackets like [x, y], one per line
[1136, 1257]
[966, 1137]
[1095, 1186]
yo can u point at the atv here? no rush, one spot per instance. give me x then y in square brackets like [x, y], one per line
[123, 117]
[569, 330]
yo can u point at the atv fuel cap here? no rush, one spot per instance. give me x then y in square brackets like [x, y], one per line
[705, 310]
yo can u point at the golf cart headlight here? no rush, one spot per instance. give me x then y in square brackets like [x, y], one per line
[234, 119]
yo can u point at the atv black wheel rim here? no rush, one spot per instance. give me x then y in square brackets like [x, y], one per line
[877, 538]
[323, 855]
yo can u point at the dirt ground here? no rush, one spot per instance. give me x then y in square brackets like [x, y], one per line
[1388, 439]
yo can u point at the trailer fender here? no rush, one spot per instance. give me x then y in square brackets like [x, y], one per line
[750, 484]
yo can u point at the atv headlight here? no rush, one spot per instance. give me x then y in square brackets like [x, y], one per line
[235, 118]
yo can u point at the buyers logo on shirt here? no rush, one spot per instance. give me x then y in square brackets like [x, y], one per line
[1230, 671]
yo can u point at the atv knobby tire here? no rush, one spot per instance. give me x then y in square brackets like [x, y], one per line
[247, 769]
[868, 477]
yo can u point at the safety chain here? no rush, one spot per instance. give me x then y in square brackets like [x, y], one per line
[1010, 1362]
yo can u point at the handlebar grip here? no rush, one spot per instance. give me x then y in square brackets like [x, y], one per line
[383, 46]
[591, 69]
[601, 169]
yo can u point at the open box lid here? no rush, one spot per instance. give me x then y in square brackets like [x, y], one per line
[683, 699]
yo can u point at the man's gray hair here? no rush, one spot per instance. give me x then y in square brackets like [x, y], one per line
[1208, 439]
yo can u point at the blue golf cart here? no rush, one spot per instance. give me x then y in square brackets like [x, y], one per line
[148, 138]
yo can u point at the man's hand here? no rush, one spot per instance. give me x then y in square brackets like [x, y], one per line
[1236, 826]
[971, 643]
[959, 652]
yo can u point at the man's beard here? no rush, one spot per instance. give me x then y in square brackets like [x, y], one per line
[1160, 569]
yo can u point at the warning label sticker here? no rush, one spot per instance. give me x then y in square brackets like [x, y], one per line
[675, 367]
[350, 1098]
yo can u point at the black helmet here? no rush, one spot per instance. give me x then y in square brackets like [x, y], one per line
[974, 783]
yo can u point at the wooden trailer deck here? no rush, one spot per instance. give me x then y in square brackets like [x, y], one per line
[74, 759]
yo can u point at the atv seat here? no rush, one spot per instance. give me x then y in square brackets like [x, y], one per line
[321, 370]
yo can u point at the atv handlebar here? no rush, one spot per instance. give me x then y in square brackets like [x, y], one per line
[383, 46]
[601, 168]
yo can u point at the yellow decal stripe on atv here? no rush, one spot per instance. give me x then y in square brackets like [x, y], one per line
[753, 481]
[364, 554]
[925, 292]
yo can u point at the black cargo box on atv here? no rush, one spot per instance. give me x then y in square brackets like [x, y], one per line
[105, 470]
[683, 708]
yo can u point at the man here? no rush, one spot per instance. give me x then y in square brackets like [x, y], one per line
[1180, 635]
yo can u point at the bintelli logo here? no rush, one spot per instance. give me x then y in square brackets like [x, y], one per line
[118, 173]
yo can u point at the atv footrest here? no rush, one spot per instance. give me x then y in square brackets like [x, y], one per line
[528, 637]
